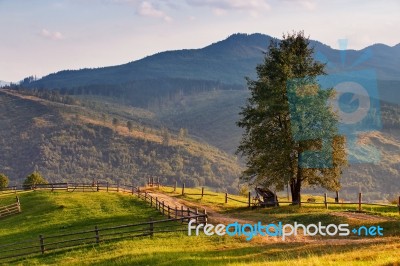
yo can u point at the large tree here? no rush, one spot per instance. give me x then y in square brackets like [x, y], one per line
[291, 134]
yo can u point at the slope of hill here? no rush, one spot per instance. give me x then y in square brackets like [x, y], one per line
[73, 143]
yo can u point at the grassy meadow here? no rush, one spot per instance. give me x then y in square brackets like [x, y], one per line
[50, 213]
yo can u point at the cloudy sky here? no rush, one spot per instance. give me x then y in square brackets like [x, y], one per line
[44, 36]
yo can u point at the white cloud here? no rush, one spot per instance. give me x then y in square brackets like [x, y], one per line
[56, 35]
[224, 5]
[148, 10]
[307, 4]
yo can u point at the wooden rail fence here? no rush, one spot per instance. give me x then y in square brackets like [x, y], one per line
[11, 209]
[46, 243]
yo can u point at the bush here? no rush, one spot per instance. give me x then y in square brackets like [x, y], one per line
[34, 179]
[3, 181]
[244, 190]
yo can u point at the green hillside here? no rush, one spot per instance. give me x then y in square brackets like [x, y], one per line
[78, 143]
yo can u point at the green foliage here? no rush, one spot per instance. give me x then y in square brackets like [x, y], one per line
[115, 122]
[129, 125]
[286, 116]
[3, 181]
[34, 179]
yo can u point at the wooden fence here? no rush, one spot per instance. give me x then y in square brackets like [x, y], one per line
[46, 243]
[253, 202]
[11, 209]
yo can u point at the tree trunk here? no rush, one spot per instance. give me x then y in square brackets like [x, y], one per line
[295, 187]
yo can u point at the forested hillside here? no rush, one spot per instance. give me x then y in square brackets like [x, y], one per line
[74, 143]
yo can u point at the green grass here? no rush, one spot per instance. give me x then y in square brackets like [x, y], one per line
[61, 212]
[48, 213]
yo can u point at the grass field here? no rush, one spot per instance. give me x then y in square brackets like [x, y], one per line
[50, 213]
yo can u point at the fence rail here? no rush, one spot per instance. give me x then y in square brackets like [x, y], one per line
[11, 209]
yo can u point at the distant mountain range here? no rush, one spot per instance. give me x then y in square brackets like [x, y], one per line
[3, 83]
[223, 64]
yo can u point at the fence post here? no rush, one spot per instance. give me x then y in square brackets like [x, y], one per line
[97, 186]
[337, 197]
[359, 201]
[188, 213]
[325, 201]
[18, 204]
[176, 183]
[107, 186]
[197, 216]
[184, 215]
[118, 186]
[226, 197]
[249, 203]
[205, 216]
[158, 182]
[156, 203]
[202, 192]
[183, 189]
[41, 243]
[299, 199]
[399, 205]
[132, 189]
[151, 227]
[169, 216]
[163, 205]
[176, 212]
[96, 230]
[52, 187]
[275, 199]
[151, 201]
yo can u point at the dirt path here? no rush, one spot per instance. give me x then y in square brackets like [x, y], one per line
[362, 217]
[215, 217]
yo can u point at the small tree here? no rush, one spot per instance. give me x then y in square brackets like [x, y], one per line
[129, 125]
[3, 181]
[166, 137]
[34, 179]
[115, 122]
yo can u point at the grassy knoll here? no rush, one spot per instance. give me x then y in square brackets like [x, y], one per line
[50, 213]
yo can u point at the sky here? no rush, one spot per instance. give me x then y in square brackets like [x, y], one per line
[39, 37]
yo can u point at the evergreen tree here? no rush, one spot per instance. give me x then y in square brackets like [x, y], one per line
[129, 125]
[291, 133]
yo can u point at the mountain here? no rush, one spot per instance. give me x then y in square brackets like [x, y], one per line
[3, 83]
[227, 61]
[202, 90]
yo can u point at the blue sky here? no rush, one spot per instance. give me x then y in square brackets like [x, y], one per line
[44, 36]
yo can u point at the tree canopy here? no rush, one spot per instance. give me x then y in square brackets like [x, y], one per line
[291, 133]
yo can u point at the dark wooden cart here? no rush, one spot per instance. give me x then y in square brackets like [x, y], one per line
[265, 198]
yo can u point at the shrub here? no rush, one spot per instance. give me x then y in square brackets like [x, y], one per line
[34, 179]
[3, 181]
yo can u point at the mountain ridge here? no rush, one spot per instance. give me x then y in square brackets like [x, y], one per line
[227, 61]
